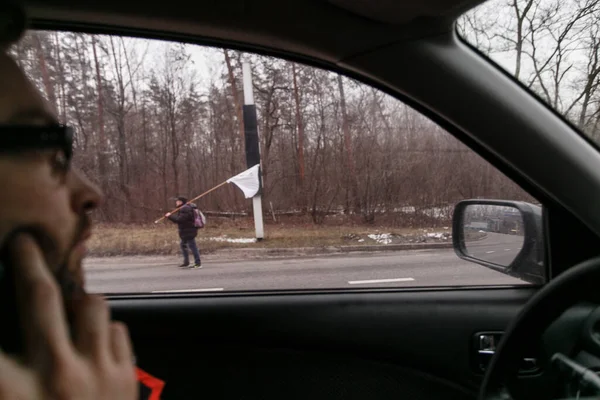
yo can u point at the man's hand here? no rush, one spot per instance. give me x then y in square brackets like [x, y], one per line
[96, 364]
[167, 215]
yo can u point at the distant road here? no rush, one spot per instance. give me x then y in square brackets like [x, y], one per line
[497, 248]
[381, 269]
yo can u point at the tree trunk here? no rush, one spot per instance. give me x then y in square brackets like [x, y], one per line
[300, 125]
[145, 145]
[50, 95]
[234, 93]
[61, 77]
[174, 144]
[102, 164]
[520, 37]
[353, 190]
[120, 122]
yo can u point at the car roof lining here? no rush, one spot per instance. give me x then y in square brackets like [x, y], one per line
[401, 12]
[319, 29]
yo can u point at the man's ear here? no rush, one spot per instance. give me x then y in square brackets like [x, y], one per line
[13, 23]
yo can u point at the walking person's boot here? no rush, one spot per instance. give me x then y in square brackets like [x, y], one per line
[193, 247]
[184, 252]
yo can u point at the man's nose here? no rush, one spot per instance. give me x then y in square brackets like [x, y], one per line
[86, 196]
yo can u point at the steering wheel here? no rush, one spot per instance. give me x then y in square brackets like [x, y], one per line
[566, 309]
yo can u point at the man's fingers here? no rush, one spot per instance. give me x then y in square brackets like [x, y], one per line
[15, 381]
[92, 332]
[121, 343]
[40, 304]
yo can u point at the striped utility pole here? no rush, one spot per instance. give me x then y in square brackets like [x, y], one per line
[252, 146]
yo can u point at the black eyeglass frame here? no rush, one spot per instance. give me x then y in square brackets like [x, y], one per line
[14, 138]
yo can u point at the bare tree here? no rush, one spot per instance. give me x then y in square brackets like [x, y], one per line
[234, 93]
[102, 160]
[300, 125]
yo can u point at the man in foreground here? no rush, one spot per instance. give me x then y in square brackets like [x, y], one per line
[71, 349]
[185, 220]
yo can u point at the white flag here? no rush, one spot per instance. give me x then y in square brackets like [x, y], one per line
[247, 181]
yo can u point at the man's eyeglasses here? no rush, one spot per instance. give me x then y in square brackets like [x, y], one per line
[15, 138]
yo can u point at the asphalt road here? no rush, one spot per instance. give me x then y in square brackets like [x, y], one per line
[497, 248]
[380, 269]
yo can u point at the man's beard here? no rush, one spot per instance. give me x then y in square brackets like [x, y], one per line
[69, 283]
[68, 276]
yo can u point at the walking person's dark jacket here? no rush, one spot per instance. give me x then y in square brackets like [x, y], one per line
[184, 219]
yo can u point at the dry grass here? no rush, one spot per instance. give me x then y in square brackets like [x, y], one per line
[113, 240]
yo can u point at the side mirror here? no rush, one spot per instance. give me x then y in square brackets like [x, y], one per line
[505, 236]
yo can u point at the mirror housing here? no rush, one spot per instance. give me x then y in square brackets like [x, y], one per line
[528, 265]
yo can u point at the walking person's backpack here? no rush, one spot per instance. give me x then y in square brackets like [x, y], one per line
[199, 218]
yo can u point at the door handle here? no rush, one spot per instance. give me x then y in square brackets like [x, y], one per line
[486, 344]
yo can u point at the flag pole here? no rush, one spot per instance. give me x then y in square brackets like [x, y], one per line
[195, 198]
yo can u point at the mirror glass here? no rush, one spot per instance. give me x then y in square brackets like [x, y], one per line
[493, 233]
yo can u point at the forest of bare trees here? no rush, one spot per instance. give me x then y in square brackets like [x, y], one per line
[551, 46]
[156, 119]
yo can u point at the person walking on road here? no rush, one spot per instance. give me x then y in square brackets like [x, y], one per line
[185, 220]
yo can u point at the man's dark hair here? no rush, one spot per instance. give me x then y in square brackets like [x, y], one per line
[13, 23]
[182, 199]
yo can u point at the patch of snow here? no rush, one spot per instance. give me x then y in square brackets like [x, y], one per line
[382, 238]
[361, 240]
[438, 212]
[435, 235]
[481, 231]
[232, 240]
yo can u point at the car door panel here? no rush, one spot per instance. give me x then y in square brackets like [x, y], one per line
[318, 345]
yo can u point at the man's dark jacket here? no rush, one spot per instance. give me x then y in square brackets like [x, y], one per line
[184, 218]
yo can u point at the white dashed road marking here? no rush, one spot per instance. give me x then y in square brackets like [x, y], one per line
[380, 281]
[489, 252]
[189, 290]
